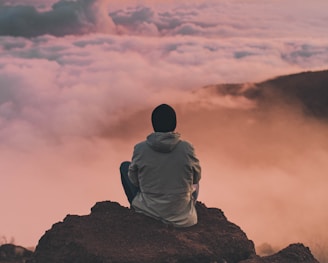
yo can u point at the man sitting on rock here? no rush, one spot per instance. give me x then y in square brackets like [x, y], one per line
[162, 181]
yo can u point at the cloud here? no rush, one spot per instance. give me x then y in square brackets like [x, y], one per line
[80, 82]
[193, 18]
[224, 19]
[65, 18]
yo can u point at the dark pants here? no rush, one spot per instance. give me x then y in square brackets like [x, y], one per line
[131, 190]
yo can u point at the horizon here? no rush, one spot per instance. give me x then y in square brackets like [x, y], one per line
[77, 90]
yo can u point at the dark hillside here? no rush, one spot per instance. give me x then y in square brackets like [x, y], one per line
[307, 90]
[310, 89]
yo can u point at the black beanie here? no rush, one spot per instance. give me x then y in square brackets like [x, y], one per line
[163, 118]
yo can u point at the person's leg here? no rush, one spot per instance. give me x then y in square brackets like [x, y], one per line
[130, 189]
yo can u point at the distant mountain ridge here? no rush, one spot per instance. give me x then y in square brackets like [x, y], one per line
[309, 90]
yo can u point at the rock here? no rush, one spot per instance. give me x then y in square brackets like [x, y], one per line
[115, 234]
[14, 254]
[112, 233]
[294, 253]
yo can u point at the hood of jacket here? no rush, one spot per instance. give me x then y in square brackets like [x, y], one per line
[163, 141]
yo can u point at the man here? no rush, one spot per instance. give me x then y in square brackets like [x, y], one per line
[161, 179]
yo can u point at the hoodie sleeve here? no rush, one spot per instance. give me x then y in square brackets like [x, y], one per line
[195, 165]
[133, 169]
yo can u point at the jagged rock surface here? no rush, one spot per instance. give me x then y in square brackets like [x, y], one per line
[294, 253]
[112, 233]
[116, 234]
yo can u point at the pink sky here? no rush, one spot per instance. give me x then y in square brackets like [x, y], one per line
[73, 106]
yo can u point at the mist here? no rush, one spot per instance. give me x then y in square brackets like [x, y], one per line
[265, 170]
[75, 98]
[264, 165]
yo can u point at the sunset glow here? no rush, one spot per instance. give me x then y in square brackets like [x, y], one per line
[79, 80]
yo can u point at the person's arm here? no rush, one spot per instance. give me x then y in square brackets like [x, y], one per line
[133, 170]
[195, 166]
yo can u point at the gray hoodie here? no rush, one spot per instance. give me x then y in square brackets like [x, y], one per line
[165, 169]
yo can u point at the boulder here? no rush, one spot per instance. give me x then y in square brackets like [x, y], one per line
[294, 253]
[112, 233]
[14, 254]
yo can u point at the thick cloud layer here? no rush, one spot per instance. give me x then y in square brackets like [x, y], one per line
[80, 83]
[65, 18]
[218, 19]
[75, 97]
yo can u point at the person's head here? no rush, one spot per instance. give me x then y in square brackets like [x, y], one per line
[164, 118]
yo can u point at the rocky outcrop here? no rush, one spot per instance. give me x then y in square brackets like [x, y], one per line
[14, 254]
[295, 253]
[112, 233]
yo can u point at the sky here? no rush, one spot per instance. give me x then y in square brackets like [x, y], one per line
[78, 82]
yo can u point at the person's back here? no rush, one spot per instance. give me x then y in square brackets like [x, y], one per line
[164, 168]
